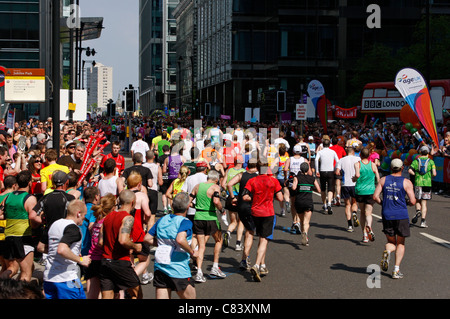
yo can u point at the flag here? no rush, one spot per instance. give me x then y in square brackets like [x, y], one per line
[412, 86]
[316, 92]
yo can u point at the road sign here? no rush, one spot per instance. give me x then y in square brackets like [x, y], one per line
[25, 85]
[300, 112]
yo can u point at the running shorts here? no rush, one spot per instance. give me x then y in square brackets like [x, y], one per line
[265, 226]
[365, 199]
[72, 289]
[205, 227]
[161, 280]
[18, 247]
[396, 227]
[327, 181]
[348, 192]
[422, 192]
[117, 275]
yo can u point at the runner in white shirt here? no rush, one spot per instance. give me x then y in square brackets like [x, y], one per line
[292, 166]
[325, 160]
[139, 146]
[346, 168]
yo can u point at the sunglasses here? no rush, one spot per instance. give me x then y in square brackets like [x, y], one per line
[71, 147]
[38, 162]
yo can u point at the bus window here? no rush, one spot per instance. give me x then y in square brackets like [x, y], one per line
[393, 93]
[380, 92]
[368, 93]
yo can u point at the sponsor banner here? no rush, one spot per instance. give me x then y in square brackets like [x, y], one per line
[316, 92]
[412, 86]
[345, 113]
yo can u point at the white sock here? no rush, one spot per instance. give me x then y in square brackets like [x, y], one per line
[396, 268]
[215, 265]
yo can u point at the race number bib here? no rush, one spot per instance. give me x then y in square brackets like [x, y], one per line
[163, 254]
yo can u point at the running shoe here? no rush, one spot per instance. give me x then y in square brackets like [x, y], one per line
[416, 217]
[199, 278]
[215, 271]
[288, 207]
[305, 240]
[263, 270]
[226, 239]
[297, 228]
[397, 274]
[330, 211]
[146, 278]
[239, 247]
[350, 229]
[338, 201]
[370, 233]
[385, 261]
[282, 212]
[245, 264]
[355, 219]
[255, 273]
[365, 239]
[423, 224]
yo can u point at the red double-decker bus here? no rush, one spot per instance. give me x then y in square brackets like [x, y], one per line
[382, 99]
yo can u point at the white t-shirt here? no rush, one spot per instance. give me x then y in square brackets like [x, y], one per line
[325, 160]
[153, 167]
[190, 183]
[279, 141]
[140, 146]
[347, 168]
[109, 185]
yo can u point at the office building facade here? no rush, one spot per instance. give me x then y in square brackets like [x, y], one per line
[157, 56]
[99, 80]
[247, 50]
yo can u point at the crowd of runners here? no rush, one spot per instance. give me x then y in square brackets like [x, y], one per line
[99, 222]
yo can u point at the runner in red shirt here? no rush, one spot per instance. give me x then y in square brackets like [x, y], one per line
[116, 270]
[120, 160]
[261, 190]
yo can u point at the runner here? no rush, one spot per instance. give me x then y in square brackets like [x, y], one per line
[346, 169]
[395, 214]
[261, 191]
[423, 169]
[236, 169]
[206, 223]
[325, 163]
[366, 176]
[278, 166]
[173, 234]
[292, 167]
[303, 185]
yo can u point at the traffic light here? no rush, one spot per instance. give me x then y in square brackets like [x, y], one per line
[281, 101]
[130, 100]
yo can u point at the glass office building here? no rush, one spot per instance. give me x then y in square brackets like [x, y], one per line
[247, 50]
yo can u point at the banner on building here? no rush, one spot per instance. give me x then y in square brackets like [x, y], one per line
[342, 113]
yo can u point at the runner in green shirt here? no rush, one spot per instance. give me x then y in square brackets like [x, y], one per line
[424, 169]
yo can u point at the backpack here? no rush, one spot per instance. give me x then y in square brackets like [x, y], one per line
[423, 165]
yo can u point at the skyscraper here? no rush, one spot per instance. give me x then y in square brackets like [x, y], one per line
[99, 86]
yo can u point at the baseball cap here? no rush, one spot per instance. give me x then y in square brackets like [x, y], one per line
[396, 163]
[310, 138]
[297, 149]
[202, 164]
[59, 178]
[424, 149]
[69, 143]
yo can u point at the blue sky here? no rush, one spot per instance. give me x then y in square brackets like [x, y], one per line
[118, 45]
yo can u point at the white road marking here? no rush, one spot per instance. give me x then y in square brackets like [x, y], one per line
[438, 240]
